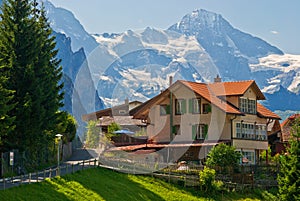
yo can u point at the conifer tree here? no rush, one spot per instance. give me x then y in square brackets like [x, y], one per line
[6, 121]
[28, 51]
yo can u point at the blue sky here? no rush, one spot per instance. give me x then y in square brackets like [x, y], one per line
[276, 21]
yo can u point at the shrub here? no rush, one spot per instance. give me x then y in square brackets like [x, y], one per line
[223, 156]
[207, 180]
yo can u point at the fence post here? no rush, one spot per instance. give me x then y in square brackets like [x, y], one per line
[82, 164]
[95, 162]
[29, 177]
[37, 176]
[44, 174]
[50, 173]
[3, 183]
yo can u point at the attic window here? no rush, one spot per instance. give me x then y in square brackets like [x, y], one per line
[122, 111]
[248, 105]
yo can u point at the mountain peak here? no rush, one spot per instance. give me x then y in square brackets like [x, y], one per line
[198, 20]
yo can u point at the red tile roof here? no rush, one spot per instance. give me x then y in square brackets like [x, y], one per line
[204, 91]
[159, 146]
[237, 88]
[264, 112]
[286, 127]
[212, 92]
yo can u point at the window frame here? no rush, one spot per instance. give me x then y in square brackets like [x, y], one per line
[164, 109]
[180, 106]
[195, 105]
[248, 105]
[206, 108]
[199, 131]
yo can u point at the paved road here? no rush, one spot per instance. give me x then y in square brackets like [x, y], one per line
[81, 154]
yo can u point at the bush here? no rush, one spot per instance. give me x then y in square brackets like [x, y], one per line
[223, 156]
[208, 181]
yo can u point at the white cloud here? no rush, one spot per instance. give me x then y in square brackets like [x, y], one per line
[274, 32]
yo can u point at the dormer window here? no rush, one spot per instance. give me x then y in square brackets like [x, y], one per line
[248, 105]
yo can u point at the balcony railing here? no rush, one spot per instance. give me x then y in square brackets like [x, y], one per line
[259, 137]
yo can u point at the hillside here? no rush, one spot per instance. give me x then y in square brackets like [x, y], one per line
[103, 184]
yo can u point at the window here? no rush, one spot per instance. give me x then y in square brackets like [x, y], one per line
[243, 104]
[164, 110]
[261, 132]
[250, 131]
[248, 157]
[238, 130]
[122, 111]
[248, 105]
[180, 106]
[199, 131]
[206, 108]
[195, 105]
[176, 130]
[252, 106]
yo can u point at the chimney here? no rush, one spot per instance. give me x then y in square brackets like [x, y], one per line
[126, 101]
[170, 80]
[217, 79]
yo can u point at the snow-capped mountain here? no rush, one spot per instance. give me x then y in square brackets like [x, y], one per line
[63, 21]
[137, 64]
[286, 69]
[200, 46]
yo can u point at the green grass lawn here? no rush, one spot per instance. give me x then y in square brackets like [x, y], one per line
[103, 184]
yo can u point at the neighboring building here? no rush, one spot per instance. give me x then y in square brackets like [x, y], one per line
[274, 137]
[119, 110]
[120, 115]
[282, 138]
[186, 120]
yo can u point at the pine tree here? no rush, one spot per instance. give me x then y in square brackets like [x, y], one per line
[289, 177]
[17, 56]
[28, 51]
[6, 121]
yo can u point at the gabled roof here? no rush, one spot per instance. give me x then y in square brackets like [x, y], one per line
[121, 120]
[108, 111]
[199, 88]
[237, 88]
[213, 93]
[290, 119]
[286, 126]
[264, 112]
[204, 91]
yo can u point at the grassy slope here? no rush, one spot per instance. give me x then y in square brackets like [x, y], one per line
[102, 184]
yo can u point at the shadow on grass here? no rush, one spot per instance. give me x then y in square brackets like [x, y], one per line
[32, 192]
[110, 185]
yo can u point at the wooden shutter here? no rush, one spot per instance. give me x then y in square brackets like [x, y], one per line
[168, 109]
[191, 105]
[194, 131]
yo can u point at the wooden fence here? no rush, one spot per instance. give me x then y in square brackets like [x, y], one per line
[167, 171]
[47, 173]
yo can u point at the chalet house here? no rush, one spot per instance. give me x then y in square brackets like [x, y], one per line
[186, 120]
